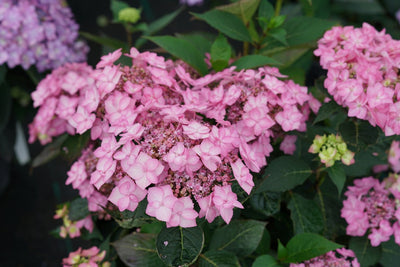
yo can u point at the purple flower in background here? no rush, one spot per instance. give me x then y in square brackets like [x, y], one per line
[191, 2]
[39, 32]
[398, 15]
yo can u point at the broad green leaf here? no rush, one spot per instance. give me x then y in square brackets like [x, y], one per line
[267, 203]
[116, 6]
[306, 246]
[5, 104]
[301, 30]
[239, 237]
[265, 261]
[358, 133]
[105, 41]
[226, 23]
[337, 175]
[279, 34]
[288, 55]
[202, 41]
[265, 244]
[220, 53]
[94, 235]
[364, 161]
[390, 253]
[179, 246]
[305, 214]
[360, 7]
[284, 173]
[72, 147]
[277, 21]
[138, 249]
[244, 9]
[265, 13]
[183, 50]
[157, 25]
[253, 61]
[365, 253]
[50, 151]
[78, 209]
[282, 251]
[218, 258]
[326, 111]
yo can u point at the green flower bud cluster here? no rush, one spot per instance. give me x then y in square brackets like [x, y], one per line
[330, 149]
[129, 14]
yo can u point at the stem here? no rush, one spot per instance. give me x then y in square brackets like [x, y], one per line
[128, 36]
[321, 200]
[33, 77]
[278, 7]
[245, 48]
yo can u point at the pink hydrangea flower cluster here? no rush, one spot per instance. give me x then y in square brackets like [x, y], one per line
[372, 206]
[72, 228]
[363, 73]
[41, 33]
[91, 257]
[341, 257]
[68, 98]
[162, 132]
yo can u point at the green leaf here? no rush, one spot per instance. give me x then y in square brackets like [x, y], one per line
[365, 253]
[253, 61]
[301, 30]
[5, 104]
[337, 175]
[326, 111]
[202, 41]
[265, 244]
[226, 23]
[265, 13]
[306, 246]
[277, 21]
[116, 6]
[138, 249]
[78, 209]
[282, 251]
[267, 203]
[364, 161]
[72, 147]
[284, 173]
[183, 50]
[305, 214]
[390, 253]
[50, 151]
[220, 53]
[279, 34]
[157, 25]
[265, 261]
[219, 258]
[358, 133]
[106, 41]
[244, 9]
[239, 237]
[179, 246]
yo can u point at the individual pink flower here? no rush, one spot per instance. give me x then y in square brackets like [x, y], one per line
[196, 130]
[207, 208]
[161, 202]
[82, 120]
[183, 213]
[242, 175]
[127, 195]
[288, 145]
[208, 153]
[109, 59]
[382, 234]
[145, 170]
[225, 200]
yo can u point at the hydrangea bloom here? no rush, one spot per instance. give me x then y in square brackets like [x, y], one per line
[341, 257]
[86, 257]
[72, 228]
[160, 129]
[41, 33]
[371, 207]
[330, 149]
[362, 66]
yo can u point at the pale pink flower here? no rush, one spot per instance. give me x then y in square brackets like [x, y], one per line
[109, 59]
[207, 208]
[127, 195]
[183, 213]
[196, 130]
[225, 200]
[161, 202]
[208, 153]
[82, 120]
[242, 175]
[288, 145]
[380, 235]
[145, 170]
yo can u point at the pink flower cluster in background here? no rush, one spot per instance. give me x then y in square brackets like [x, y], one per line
[72, 228]
[162, 132]
[41, 33]
[86, 257]
[341, 257]
[363, 71]
[371, 206]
